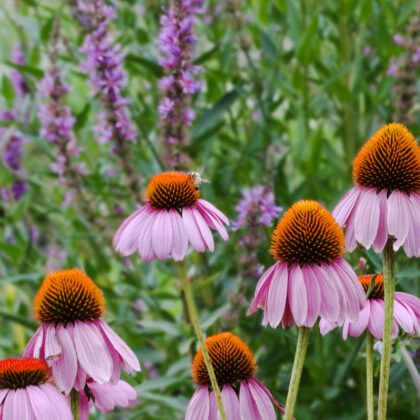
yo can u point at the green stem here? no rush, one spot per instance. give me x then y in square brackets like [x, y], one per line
[75, 404]
[369, 377]
[302, 346]
[389, 288]
[193, 315]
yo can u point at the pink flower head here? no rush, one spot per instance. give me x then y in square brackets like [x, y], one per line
[244, 397]
[26, 392]
[106, 397]
[310, 278]
[172, 216]
[73, 339]
[371, 317]
[385, 203]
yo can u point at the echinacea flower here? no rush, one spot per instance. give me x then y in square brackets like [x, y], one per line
[244, 397]
[385, 203]
[310, 278]
[172, 216]
[371, 317]
[27, 393]
[106, 397]
[73, 339]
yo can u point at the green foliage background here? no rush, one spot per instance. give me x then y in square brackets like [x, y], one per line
[292, 90]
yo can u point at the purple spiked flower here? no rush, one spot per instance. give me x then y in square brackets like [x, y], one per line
[176, 42]
[19, 83]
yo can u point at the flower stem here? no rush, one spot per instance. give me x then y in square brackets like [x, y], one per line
[75, 404]
[302, 346]
[369, 377]
[389, 288]
[193, 315]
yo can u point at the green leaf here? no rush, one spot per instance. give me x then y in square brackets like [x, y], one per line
[154, 68]
[33, 71]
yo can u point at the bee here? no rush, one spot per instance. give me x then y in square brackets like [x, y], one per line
[196, 177]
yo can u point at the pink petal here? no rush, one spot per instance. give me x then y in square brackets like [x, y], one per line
[314, 295]
[350, 236]
[325, 327]
[230, 403]
[351, 278]
[345, 206]
[410, 301]
[130, 360]
[144, 240]
[125, 223]
[52, 349]
[199, 406]
[108, 396]
[277, 296]
[333, 278]
[213, 410]
[404, 318]
[34, 345]
[264, 405]
[296, 292]
[180, 240]
[329, 299]
[85, 406]
[262, 288]
[192, 230]
[213, 222]
[398, 217]
[382, 234]
[65, 368]
[48, 404]
[92, 352]
[358, 327]
[18, 406]
[412, 244]
[367, 218]
[376, 319]
[212, 209]
[247, 406]
[162, 234]
[204, 229]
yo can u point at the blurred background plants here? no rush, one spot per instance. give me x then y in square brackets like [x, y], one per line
[290, 91]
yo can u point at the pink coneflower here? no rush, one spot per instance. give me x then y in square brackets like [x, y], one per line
[385, 203]
[106, 397]
[310, 278]
[172, 216]
[26, 392]
[371, 317]
[244, 397]
[73, 339]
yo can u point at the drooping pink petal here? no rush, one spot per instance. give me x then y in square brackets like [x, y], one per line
[277, 295]
[109, 396]
[212, 209]
[35, 343]
[412, 243]
[257, 383]
[262, 288]
[263, 402]
[213, 410]
[334, 280]
[325, 327]
[213, 222]
[18, 406]
[351, 277]
[404, 318]
[92, 352]
[329, 298]
[398, 217]
[247, 405]
[296, 294]
[314, 295]
[230, 403]
[199, 406]
[376, 319]
[204, 229]
[144, 240]
[81, 377]
[52, 349]
[180, 240]
[85, 406]
[65, 367]
[382, 234]
[48, 403]
[346, 205]
[126, 239]
[192, 230]
[130, 361]
[162, 234]
[358, 327]
[350, 236]
[409, 300]
[367, 218]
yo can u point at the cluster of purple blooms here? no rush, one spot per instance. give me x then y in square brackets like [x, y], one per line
[414, 55]
[103, 64]
[57, 123]
[10, 140]
[256, 209]
[176, 42]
